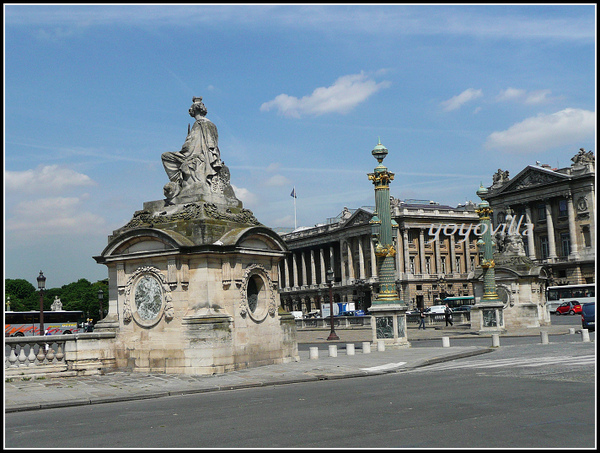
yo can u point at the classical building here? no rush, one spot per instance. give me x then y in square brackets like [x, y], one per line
[436, 252]
[560, 204]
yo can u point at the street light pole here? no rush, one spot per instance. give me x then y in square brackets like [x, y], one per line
[332, 334]
[41, 285]
[100, 300]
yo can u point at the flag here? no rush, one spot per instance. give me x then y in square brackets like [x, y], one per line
[293, 194]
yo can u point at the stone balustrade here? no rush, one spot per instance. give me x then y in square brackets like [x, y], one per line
[78, 354]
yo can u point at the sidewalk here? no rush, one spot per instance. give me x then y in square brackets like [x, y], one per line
[21, 395]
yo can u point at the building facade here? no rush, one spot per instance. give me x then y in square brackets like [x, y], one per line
[560, 203]
[435, 254]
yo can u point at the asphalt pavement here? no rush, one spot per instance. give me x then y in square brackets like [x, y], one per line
[21, 394]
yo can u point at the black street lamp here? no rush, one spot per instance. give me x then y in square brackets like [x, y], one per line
[332, 334]
[41, 285]
[100, 300]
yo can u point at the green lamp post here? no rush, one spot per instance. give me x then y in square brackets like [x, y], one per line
[387, 308]
[488, 314]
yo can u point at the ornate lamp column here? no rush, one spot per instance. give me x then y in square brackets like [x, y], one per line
[487, 313]
[388, 311]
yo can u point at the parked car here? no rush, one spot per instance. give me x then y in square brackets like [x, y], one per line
[568, 307]
[462, 308]
[347, 313]
[588, 316]
[435, 310]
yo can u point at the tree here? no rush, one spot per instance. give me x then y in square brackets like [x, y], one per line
[23, 295]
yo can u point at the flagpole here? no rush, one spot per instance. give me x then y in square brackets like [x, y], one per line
[295, 224]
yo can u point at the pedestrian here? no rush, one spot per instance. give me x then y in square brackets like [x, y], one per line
[448, 315]
[421, 318]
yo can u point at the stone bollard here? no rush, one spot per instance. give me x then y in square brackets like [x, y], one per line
[380, 345]
[366, 347]
[544, 337]
[313, 352]
[495, 340]
[585, 335]
[445, 342]
[333, 350]
[571, 330]
[350, 348]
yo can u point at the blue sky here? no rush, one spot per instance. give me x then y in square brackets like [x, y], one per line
[300, 94]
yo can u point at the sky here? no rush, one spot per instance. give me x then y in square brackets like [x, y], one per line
[300, 94]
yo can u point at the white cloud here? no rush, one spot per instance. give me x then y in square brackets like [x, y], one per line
[45, 179]
[519, 95]
[244, 195]
[53, 216]
[344, 95]
[541, 132]
[458, 101]
[278, 181]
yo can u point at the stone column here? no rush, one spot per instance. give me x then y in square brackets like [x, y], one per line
[574, 252]
[287, 273]
[373, 260]
[530, 238]
[452, 268]
[399, 253]
[361, 259]
[422, 250]
[313, 269]
[304, 268]
[323, 267]
[550, 227]
[351, 273]
[332, 259]
[438, 257]
[295, 269]
[467, 244]
[406, 250]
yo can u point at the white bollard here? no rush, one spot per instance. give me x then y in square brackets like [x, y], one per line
[380, 345]
[350, 348]
[445, 342]
[585, 335]
[366, 347]
[571, 330]
[333, 350]
[313, 352]
[544, 336]
[495, 340]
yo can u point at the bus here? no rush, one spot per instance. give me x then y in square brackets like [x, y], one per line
[556, 295]
[454, 302]
[27, 323]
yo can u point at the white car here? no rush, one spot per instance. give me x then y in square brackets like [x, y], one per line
[436, 310]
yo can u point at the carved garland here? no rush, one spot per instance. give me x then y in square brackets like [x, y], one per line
[167, 308]
[260, 315]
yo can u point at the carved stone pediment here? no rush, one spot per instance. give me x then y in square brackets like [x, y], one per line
[532, 177]
[360, 217]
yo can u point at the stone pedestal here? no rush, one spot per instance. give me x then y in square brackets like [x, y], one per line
[389, 324]
[488, 317]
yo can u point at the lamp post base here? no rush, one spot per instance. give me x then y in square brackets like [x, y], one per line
[332, 336]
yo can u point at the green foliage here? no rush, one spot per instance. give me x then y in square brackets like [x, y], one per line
[80, 295]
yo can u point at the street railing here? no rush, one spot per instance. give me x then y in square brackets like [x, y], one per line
[76, 354]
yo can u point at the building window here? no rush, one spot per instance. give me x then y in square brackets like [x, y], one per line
[428, 265]
[565, 242]
[472, 263]
[544, 247]
[443, 265]
[458, 264]
[412, 264]
[562, 208]
[541, 212]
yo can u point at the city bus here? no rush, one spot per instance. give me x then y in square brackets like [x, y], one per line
[556, 295]
[454, 302]
[27, 323]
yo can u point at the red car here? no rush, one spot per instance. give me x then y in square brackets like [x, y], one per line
[568, 307]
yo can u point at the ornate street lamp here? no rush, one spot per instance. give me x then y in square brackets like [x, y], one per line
[100, 300]
[41, 280]
[332, 334]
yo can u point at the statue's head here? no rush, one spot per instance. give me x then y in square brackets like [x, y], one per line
[197, 108]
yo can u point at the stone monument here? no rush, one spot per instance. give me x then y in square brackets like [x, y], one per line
[520, 283]
[193, 277]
